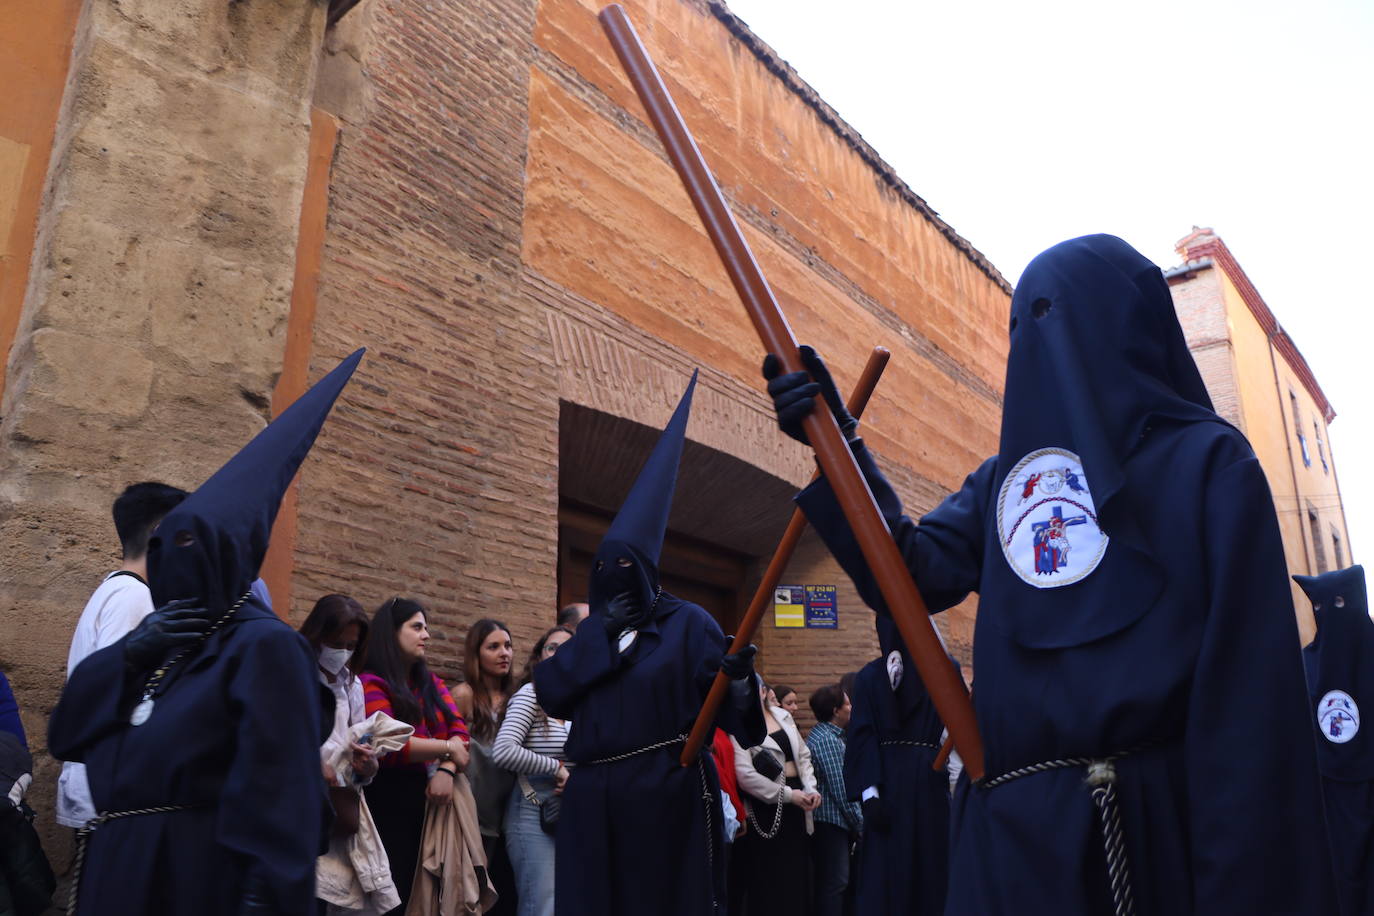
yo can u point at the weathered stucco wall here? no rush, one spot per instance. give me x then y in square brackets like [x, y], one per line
[151, 332]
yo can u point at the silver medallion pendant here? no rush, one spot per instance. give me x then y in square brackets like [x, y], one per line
[142, 711]
[627, 640]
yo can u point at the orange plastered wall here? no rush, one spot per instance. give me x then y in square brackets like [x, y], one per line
[35, 52]
[851, 262]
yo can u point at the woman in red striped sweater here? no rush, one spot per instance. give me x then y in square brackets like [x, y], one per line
[398, 683]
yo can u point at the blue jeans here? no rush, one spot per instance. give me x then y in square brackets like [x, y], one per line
[530, 849]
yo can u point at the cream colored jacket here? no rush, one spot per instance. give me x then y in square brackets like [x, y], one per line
[754, 784]
[354, 876]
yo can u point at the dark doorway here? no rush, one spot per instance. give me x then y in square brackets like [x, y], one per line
[699, 572]
[727, 514]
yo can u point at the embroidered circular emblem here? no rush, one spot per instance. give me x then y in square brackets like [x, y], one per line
[894, 668]
[1338, 717]
[1047, 521]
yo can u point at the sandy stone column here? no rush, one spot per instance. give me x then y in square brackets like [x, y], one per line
[152, 328]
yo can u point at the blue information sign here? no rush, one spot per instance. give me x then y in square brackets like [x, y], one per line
[821, 612]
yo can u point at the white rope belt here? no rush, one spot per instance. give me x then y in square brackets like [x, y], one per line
[1101, 779]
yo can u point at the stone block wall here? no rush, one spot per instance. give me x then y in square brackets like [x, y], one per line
[151, 331]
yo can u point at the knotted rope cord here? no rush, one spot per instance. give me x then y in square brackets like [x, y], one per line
[904, 742]
[637, 751]
[709, 803]
[83, 835]
[1101, 778]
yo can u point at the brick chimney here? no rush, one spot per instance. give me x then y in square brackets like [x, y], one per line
[1194, 245]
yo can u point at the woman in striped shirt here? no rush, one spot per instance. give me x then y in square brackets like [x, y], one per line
[530, 743]
[398, 683]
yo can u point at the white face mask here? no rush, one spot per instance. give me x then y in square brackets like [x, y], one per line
[333, 660]
[894, 668]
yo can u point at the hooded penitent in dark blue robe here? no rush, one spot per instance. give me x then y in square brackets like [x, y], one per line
[235, 727]
[1133, 601]
[893, 738]
[643, 834]
[1340, 683]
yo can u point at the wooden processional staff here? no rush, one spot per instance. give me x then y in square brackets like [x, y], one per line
[908, 609]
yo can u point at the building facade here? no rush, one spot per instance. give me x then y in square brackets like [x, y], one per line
[1260, 382]
[214, 202]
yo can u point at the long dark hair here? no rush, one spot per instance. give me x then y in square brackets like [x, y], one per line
[484, 714]
[404, 676]
[328, 618]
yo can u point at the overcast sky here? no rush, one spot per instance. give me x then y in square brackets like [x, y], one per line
[1024, 124]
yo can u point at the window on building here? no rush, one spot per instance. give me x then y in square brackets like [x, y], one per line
[1318, 543]
[1336, 548]
[1297, 427]
[1321, 451]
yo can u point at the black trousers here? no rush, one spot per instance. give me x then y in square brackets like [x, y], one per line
[396, 799]
[830, 868]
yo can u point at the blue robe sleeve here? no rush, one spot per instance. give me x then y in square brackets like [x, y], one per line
[741, 713]
[9, 712]
[863, 765]
[944, 552]
[1258, 835]
[273, 808]
[580, 664]
[91, 706]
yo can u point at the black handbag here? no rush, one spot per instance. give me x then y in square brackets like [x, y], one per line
[767, 765]
[549, 809]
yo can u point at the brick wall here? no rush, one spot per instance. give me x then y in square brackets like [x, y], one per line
[506, 235]
[436, 477]
[1202, 313]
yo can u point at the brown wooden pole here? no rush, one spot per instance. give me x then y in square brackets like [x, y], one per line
[702, 728]
[909, 611]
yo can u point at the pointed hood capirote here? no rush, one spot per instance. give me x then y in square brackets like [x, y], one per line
[636, 534]
[212, 545]
[1340, 673]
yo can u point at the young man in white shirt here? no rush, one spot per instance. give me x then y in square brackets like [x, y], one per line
[116, 607]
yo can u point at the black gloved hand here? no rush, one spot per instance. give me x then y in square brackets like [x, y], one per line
[739, 665]
[622, 612]
[876, 815]
[257, 899]
[794, 394]
[767, 765]
[174, 625]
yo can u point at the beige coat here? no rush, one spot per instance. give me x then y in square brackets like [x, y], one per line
[755, 784]
[452, 874]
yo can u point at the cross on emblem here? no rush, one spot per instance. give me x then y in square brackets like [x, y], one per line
[1051, 540]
